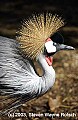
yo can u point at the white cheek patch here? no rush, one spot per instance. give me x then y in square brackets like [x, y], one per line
[50, 47]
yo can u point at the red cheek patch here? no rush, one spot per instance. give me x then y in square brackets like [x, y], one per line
[49, 60]
[48, 39]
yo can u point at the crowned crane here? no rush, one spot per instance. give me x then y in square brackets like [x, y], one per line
[37, 39]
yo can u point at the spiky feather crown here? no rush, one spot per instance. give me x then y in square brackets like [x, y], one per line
[36, 30]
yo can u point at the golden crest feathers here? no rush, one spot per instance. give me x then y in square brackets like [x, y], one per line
[36, 30]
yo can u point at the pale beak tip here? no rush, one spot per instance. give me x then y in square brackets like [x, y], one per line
[70, 48]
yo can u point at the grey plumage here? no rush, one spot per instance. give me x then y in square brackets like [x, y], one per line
[18, 77]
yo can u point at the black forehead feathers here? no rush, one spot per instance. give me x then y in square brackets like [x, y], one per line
[58, 38]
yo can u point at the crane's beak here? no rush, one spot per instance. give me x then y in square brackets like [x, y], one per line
[64, 47]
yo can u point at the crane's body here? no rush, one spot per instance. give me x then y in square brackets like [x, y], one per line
[18, 78]
[17, 75]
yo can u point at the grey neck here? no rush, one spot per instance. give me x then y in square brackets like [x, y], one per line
[48, 78]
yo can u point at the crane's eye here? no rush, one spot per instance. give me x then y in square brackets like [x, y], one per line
[54, 43]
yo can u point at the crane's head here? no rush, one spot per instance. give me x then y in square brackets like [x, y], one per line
[36, 33]
[53, 45]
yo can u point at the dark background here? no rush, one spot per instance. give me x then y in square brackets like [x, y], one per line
[63, 97]
[12, 12]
